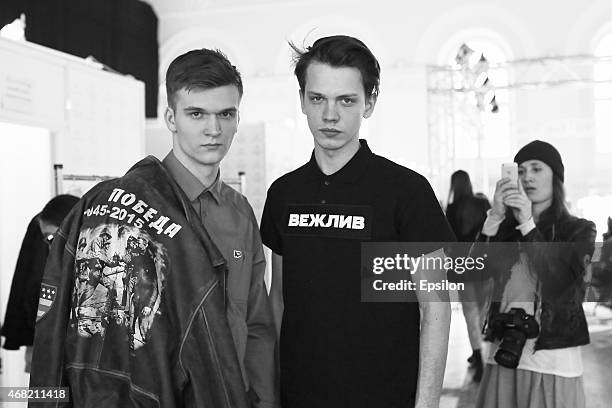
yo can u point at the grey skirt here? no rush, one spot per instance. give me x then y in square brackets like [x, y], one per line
[506, 388]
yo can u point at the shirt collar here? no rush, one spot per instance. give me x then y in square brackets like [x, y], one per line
[351, 171]
[191, 186]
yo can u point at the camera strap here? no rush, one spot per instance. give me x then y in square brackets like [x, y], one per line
[536, 300]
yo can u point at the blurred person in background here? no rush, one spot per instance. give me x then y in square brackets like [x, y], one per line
[20, 317]
[536, 321]
[466, 213]
[601, 279]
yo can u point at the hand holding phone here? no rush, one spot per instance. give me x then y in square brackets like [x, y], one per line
[509, 171]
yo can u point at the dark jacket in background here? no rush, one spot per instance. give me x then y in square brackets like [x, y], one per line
[20, 317]
[466, 217]
[559, 251]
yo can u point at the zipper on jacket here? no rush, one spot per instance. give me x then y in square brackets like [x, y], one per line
[212, 343]
[191, 319]
[225, 273]
[216, 356]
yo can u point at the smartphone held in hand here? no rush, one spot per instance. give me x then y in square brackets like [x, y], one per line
[510, 170]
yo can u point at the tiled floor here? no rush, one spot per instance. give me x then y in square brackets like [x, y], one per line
[460, 392]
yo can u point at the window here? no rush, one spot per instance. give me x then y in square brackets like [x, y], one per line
[602, 71]
[482, 125]
[596, 204]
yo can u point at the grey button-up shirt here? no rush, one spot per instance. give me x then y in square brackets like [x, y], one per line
[229, 219]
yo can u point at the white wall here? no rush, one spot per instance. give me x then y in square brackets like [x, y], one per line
[398, 31]
[97, 117]
[404, 36]
[55, 108]
[26, 185]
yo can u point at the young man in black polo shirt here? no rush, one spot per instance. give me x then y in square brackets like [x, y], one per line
[335, 350]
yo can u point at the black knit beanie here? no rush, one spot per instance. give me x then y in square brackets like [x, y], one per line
[539, 150]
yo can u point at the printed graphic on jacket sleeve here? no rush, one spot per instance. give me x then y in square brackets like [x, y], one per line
[118, 282]
[46, 299]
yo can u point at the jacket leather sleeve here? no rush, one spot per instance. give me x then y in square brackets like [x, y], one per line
[260, 353]
[48, 369]
[560, 264]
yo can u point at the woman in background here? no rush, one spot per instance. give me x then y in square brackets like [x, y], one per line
[466, 214]
[537, 254]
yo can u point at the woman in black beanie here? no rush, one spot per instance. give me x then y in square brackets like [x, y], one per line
[536, 254]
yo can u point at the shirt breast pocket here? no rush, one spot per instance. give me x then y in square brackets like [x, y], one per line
[240, 266]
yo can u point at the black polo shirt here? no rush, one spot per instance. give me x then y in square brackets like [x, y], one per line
[335, 350]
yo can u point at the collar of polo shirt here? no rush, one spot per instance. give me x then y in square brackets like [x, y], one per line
[351, 172]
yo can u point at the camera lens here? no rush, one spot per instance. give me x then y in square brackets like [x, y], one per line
[510, 349]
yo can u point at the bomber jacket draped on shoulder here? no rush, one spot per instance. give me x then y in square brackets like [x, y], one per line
[132, 310]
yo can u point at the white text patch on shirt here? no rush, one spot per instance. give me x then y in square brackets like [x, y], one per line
[329, 220]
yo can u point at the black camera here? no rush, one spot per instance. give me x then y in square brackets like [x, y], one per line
[513, 329]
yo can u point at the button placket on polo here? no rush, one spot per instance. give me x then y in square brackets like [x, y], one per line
[325, 191]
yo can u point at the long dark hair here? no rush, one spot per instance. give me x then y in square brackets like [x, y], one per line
[556, 211]
[461, 186]
[558, 207]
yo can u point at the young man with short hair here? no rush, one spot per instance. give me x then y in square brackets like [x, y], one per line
[154, 292]
[335, 350]
[203, 117]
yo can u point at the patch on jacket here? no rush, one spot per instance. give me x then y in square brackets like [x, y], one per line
[118, 281]
[46, 299]
[237, 254]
